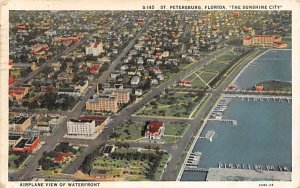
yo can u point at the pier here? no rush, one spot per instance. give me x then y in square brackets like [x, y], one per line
[196, 169]
[209, 135]
[248, 97]
[256, 167]
[232, 121]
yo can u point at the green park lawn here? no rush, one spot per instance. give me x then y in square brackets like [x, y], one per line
[128, 131]
[133, 169]
[179, 104]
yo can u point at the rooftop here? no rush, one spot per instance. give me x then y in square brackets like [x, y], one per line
[154, 126]
[81, 120]
[18, 120]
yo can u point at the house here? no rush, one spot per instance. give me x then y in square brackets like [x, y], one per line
[67, 39]
[39, 48]
[138, 92]
[185, 83]
[114, 74]
[18, 93]
[94, 69]
[155, 129]
[62, 157]
[154, 81]
[156, 70]
[132, 71]
[160, 77]
[135, 80]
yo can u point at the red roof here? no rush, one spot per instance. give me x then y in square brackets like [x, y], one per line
[185, 82]
[94, 68]
[97, 119]
[96, 44]
[17, 90]
[10, 80]
[154, 126]
[60, 156]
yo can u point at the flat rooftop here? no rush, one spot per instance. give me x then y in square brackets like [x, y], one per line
[18, 120]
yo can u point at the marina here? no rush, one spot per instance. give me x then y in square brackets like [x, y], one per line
[193, 160]
[227, 150]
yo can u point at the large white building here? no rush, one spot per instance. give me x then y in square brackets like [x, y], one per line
[94, 48]
[81, 127]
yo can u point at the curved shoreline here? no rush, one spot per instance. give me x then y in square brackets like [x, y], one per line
[179, 176]
[245, 67]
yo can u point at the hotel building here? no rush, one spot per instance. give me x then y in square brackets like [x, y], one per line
[264, 40]
[81, 127]
[103, 103]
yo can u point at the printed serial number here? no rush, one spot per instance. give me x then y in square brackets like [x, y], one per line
[148, 7]
[266, 185]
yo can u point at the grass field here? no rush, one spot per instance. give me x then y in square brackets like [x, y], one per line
[175, 129]
[202, 77]
[179, 104]
[129, 131]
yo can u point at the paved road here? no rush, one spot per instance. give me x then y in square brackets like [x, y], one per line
[126, 113]
[60, 131]
[176, 152]
[53, 59]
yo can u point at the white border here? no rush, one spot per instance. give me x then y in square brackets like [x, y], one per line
[6, 5]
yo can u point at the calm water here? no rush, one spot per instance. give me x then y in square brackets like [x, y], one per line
[263, 133]
[262, 136]
[273, 65]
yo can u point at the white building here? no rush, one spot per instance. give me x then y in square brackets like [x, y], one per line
[81, 127]
[95, 49]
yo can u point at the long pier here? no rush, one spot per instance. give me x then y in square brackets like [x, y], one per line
[197, 169]
[260, 97]
[232, 121]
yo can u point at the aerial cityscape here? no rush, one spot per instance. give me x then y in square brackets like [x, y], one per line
[150, 95]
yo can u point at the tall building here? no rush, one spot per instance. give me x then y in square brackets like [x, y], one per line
[122, 95]
[81, 127]
[103, 103]
[95, 49]
[264, 40]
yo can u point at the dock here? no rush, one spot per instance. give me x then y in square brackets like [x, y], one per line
[232, 121]
[196, 169]
[248, 97]
[256, 167]
[208, 136]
